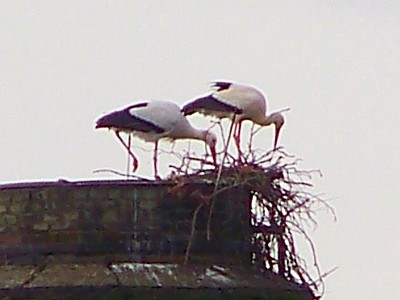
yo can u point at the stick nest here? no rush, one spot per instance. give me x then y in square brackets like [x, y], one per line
[283, 208]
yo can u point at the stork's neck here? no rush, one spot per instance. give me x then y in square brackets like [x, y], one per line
[268, 119]
[186, 130]
[199, 134]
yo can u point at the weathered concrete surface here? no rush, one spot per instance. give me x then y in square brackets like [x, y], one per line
[143, 281]
[197, 276]
[15, 276]
[73, 274]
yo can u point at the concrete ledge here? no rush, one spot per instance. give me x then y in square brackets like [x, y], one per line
[124, 293]
[142, 281]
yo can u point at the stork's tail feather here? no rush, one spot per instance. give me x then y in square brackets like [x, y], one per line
[220, 85]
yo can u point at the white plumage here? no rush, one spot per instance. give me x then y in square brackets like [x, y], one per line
[238, 101]
[152, 121]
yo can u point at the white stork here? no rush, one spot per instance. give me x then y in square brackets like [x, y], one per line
[239, 102]
[152, 121]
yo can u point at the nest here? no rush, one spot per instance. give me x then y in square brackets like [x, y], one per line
[283, 208]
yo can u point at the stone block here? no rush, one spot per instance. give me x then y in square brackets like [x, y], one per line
[5, 198]
[3, 208]
[110, 219]
[78, 193]
[67, 220]
[10, 240]
[20, 194]
[45, 240]
[116, 194]
[41, 226]
[9, 220]
[18, 208]
[97, 193]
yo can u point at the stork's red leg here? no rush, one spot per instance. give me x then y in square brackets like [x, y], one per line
[238, 130]
[231, 128]
[155, 160]
[128, 163]
[135, 161]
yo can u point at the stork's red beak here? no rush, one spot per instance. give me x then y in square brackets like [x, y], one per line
[277, 131]
[213, 154]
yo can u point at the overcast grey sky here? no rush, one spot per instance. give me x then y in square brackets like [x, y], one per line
[334, 63]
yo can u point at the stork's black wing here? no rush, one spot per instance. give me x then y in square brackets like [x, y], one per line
[124, 120]
[209, 103]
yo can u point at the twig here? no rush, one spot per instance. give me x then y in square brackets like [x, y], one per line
[194, 219]
[219, 177]
[120, 174]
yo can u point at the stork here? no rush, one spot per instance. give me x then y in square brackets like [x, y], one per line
[152, 121]
[239, 102]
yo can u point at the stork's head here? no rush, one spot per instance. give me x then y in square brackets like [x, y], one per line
[211, 140]
[278, 119]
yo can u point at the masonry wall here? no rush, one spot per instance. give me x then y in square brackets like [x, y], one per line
[148, 221]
